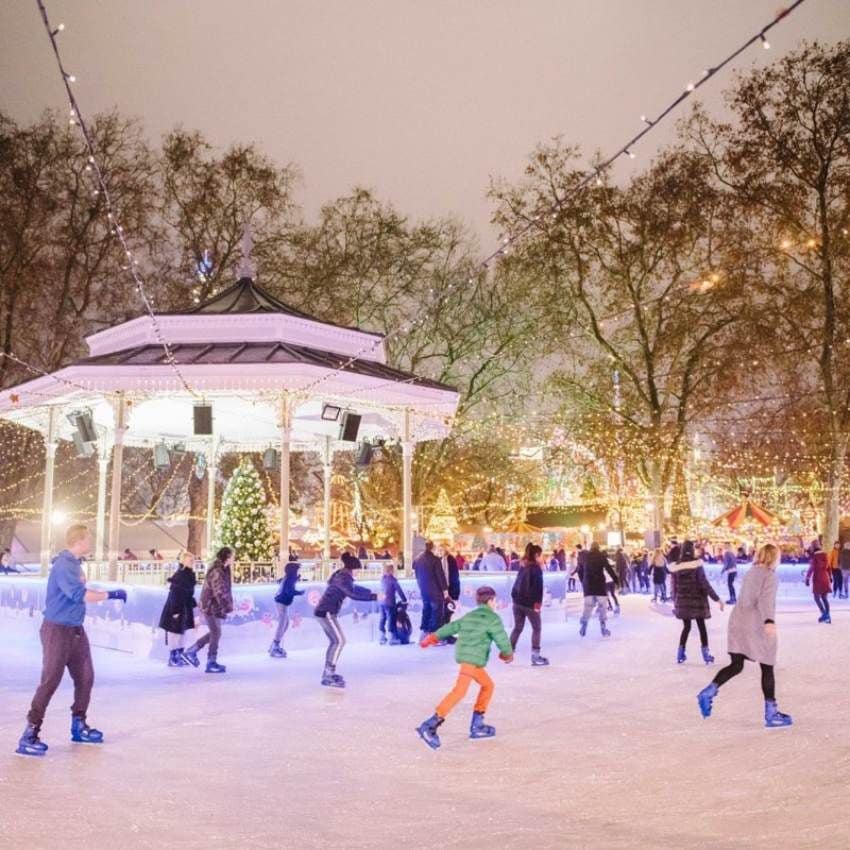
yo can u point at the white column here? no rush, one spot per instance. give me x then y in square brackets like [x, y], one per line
[120, 413]
[407, 446]
[285, 425]
[327, 468]
[100, 529]
[212, 473]
[50, 438]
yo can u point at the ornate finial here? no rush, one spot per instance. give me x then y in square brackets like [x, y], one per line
[246, 266]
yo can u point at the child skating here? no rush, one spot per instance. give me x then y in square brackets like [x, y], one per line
[475, 632]
[819, 576]
[752, 636]
[284, 598]
[393, 598]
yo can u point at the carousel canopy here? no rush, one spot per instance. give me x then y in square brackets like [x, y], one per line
[239, 353]
[747, 510]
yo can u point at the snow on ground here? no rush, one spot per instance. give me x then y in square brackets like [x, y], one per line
[604, 749]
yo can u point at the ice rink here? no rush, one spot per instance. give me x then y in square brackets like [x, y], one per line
[604, 749]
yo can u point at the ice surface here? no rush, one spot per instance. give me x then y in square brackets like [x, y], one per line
[604, 749]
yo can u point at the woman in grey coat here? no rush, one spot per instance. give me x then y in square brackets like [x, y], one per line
[752, 635]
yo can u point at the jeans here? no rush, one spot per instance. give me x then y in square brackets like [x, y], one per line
[521, 614]
[212, 637]
[388, 622]
[601, 605]
[660, 591]
[845, 578]
[768, 682]
[837, 583]
[686, 630]
[336, 640]
[822, 601]
[468, 674]
[63, 646]
[282, 621]
[730, 581]
[432, 613]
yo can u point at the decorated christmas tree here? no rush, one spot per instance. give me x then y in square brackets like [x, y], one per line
[243, 524]
[442, 524]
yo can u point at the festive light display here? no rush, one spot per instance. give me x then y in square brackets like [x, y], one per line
[243, 524]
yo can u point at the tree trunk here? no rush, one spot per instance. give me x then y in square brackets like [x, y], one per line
[197, 488]
[832, 490]
[657, 493]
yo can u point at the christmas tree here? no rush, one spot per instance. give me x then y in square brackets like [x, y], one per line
[442, 525]
[243, 524]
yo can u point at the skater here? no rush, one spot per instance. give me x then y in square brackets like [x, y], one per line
[475, 632]
[730, 567]
[835, 570]
[340, 585]
[65, 644]
[393, 597]
[691, 591]
[284, 598]
[818, 575]
[844, 564]
[216, 603]
[573, 568]
[433, 588]
[752, 636]
[592, 577]
[527, 596]
[621, 565]
[659, 575]
[611, 589]
[178, 613]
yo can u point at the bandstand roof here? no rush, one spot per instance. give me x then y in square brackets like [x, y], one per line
[240, 352]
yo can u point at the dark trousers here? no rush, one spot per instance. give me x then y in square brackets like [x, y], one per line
[521, 614]
[612, 592]
[571, 583]
[63, 646]
[730, 581]
[212, 637]
[432, 613]
[822, 601]
[768, 682]
[837, 583]
[388, 620]
[686, 630]
[660, 591]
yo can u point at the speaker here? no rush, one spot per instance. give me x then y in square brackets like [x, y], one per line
[364, 456]
[83, 448]
[271, 459]
[85, 425]
[161, 456]
[203, 420]
[349, 427]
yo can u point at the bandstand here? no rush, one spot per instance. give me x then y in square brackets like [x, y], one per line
[247, 373]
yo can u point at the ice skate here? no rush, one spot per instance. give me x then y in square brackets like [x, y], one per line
[82, 733]
[383, 640]
[331, 680]
[214, 667]
[538, 660]
[30, 744]
[582, 629]
[707, 656]
[606, 632]
[191, 655]
[175, 659]
[395, 641]
[616, 610]
[680, 655]
[427, 731]
[705, 698]
[276, 651]
[478, 728]
[773, 717]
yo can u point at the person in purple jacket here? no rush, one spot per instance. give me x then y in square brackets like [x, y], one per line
[65, 644]
[340, 586]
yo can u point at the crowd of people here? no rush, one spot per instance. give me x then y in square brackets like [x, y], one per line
[751, 628]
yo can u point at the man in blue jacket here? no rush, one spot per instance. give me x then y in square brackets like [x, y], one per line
[65, 644]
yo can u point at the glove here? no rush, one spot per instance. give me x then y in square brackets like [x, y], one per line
[537, 607]
[374, 597]
[429, 640]
[117, 594]
[506, 658]
[807, 584]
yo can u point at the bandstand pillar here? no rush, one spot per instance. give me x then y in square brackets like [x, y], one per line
[50, 438]
[327, 469]
[407, 446]
[285, 424]
[120, 413]
[100, 527]
[212, 473]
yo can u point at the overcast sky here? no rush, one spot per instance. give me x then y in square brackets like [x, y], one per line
[421, 100]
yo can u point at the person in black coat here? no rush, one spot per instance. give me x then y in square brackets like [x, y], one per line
[593, 583]
[527, 596]
[178, 613]
[433, 587]
[282, 601]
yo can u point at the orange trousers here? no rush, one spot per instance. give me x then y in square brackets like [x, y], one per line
[467, 674]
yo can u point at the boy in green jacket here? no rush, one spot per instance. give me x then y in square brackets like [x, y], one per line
[475, 632]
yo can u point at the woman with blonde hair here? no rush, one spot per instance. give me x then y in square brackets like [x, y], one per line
[752, 635]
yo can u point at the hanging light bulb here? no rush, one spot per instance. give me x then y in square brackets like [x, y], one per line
[764, 42]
